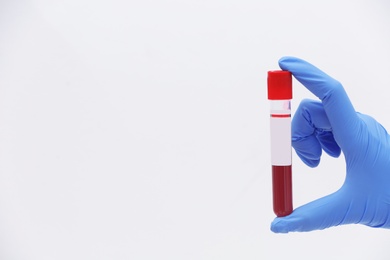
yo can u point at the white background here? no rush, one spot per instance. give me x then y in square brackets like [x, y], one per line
[139, 129]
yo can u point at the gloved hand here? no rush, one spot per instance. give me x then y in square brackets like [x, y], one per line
[331, 124]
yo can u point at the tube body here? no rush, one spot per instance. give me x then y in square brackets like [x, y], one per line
[280, 122]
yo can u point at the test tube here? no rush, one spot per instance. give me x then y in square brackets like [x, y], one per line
[280, 95]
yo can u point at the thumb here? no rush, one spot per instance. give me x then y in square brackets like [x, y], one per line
[320, 214]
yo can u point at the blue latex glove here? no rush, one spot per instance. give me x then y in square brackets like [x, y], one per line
[331, 124]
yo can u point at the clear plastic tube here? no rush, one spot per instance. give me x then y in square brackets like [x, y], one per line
[280, 122]
[280, 95]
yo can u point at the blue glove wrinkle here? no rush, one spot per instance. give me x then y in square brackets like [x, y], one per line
[384, 222]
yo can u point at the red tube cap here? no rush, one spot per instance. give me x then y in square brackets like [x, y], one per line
[279, 85]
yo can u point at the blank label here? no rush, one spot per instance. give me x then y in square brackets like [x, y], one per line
[281, 141]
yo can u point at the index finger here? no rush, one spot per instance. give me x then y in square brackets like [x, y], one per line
[338, 108]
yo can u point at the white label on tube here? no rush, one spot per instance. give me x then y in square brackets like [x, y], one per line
[281, 141]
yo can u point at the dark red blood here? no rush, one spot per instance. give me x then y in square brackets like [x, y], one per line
[282, 190]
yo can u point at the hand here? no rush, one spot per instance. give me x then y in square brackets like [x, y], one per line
[331, 124]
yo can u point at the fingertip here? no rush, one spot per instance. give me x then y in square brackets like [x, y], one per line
[309, 152]
[335, 151]
[285, 60]
[279, 226]
[312, 163]
[294, 222]
[282, 61]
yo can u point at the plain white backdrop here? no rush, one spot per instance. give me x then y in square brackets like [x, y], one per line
[139, 129]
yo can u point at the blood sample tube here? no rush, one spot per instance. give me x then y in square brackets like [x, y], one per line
[280, 95]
